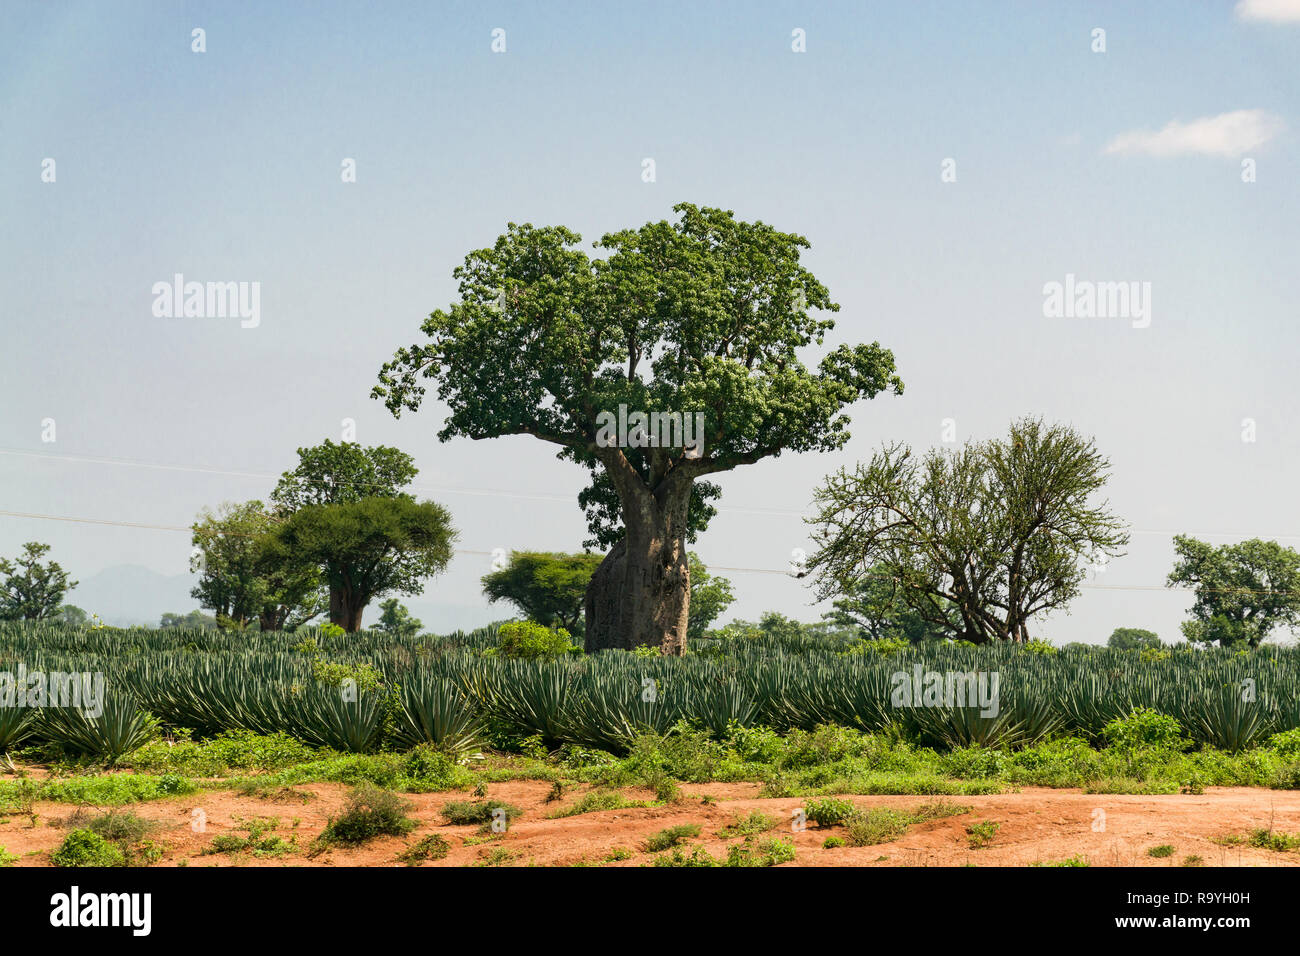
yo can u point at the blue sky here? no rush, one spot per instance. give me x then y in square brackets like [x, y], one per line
[225, 165]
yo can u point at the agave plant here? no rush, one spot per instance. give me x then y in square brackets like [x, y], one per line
[435, 711]
[15, 727]
[326, 716]
[121, 728]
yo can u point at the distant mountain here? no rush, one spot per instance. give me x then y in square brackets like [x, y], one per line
[128, 594]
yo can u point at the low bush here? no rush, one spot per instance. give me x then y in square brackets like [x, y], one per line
[370, 812]
[529, 639]
[87, 848]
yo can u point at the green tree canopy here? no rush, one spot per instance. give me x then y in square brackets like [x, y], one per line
[875, 609]
[1243, 591]
[194, 619]
[1133, 639]
[367, 549]
[344, 473]
[547, 587]
[330, 474]
[705, 315]
[395, 618]
[31, 590]
[980, 539]
[241, 580]
[73, 616]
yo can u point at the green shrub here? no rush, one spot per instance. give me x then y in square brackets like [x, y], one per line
[878, 825]
[1286, 777]
[231, 750]
[1071, 861]
[672, 836]
[432, 847]
[594, 802]
[463, 812]
[370, 812]
[981, 834]
[831, 812]
[1147, 729]
[87, 848]
[529, 639]
[679, 857]
[1160, 852]
[428, 769]
[765, 853]
[261, 840]
[1286, 744]
[761, 745]
[974, 762]
[120, 826]
[1269, 839]
[114, 789]
[756, 821]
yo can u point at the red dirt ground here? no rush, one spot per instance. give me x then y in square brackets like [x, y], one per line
[1036, 826]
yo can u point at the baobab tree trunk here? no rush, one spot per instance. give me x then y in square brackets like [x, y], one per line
[346, 607]
[639, 598]
[336, 605]
[640, 594]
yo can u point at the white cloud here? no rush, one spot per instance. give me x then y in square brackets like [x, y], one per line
[1268, 11]
[1228, 134]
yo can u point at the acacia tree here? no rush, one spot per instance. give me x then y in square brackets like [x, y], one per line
[1243, 590]
[31, 590]
[343, 473]
[366, 549]
[547, 587]
[980, 539]
[241, 581]
[704, 315]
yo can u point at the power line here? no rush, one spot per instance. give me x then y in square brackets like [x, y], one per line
[526, 496]
[468, 551]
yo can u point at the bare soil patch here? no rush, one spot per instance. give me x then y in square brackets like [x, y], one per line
[1035, 825]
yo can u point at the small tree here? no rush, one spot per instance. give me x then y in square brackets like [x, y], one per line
[367, 549]
[1133, 639]
[980, 539]
[32, 591]
[241, 581]
[344, 473]
[711, 595]
[73, 616]
[194, 619]
[875, 610]
[396, 619]
[1243, 590]
[546, 587]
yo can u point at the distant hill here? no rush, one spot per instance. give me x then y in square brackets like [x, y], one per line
[128, 594]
